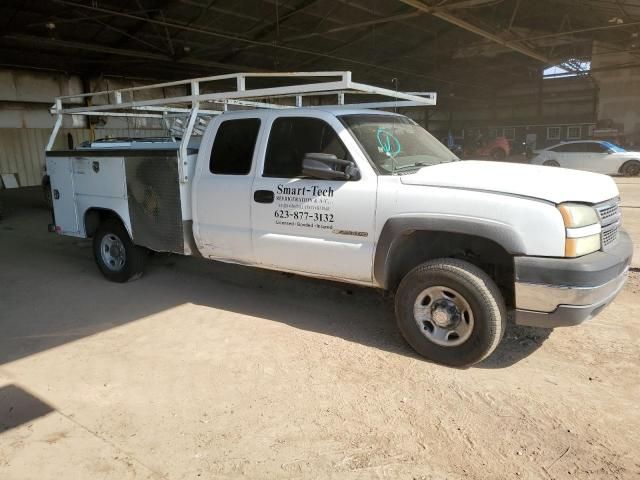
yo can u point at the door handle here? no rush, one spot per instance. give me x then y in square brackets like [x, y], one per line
[263, 196]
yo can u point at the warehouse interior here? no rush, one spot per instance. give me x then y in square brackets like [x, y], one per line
[561, 70]
[211, 370]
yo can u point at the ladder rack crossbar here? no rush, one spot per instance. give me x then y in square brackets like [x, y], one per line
[240, 95]
[202, 80]
[191, 97]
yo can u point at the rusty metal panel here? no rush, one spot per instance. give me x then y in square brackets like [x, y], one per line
[154, 202]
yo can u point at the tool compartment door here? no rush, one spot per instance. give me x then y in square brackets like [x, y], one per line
[60, 170]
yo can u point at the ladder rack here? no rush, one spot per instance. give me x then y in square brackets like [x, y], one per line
[208, 96]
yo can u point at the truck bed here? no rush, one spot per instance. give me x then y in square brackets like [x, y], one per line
[141, 185]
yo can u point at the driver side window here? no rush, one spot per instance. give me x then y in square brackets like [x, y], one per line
[293, 137]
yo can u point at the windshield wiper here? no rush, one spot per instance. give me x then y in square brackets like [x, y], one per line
[414, 165]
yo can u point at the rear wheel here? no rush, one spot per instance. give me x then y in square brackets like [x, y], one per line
[117, 257]
[631, 168]
[551, 163]
[450, 312]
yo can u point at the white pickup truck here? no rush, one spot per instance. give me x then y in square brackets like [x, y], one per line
[360, 196]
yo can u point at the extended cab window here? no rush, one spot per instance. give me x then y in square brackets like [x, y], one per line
[233, 147]
[293, 137]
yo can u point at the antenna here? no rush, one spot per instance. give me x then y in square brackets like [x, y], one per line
[394, 82]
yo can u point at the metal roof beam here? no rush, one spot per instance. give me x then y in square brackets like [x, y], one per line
[262, 31]
[354, 26]
[447, 17]
[580, 30]
[123, 52]
[213, 33]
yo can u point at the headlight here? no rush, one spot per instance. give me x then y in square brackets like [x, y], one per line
[576, 215]
[576, 247]
[582, 229]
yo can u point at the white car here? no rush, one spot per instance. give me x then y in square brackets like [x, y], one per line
[590, 155]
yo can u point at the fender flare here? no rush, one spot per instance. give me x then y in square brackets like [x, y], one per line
[102, 210]
[397, 227]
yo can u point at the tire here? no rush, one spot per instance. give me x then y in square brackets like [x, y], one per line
[478, 307]
[631, 168]
[551, 163]
[498, 154]
[48, 198]
[117, 257]
[46, 192]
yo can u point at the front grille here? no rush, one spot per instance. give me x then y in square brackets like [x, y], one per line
[608, 212]
[609, 235]
[609, 215]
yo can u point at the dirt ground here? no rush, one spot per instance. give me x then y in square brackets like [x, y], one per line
[206, 370]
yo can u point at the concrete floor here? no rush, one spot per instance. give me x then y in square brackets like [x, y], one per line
[206, 370]
[630, 196]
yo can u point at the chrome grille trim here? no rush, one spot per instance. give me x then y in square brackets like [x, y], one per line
[609, 235]
[608, 212]
[609, 216]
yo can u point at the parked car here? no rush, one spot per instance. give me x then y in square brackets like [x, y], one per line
[495, 149]
[452, 145]
[590, 155]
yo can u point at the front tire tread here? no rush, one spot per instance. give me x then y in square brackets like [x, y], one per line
[484, 295]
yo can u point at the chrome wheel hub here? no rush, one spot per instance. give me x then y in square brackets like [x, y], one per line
[112, 252]
[443, 316]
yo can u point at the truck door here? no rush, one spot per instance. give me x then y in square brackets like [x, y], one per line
[321, 227]
[222, 190]
[60, 171]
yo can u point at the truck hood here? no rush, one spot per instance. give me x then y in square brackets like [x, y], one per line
[553, 184]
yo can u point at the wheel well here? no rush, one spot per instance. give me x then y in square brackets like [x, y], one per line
[421, 246]
[93, 217]
[625, 164]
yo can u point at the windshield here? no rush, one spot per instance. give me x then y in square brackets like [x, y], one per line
[613, 147]
[396, 144]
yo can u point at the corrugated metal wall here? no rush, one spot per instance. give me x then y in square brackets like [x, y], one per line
[22, 152]
[22, 149]
[25, 121]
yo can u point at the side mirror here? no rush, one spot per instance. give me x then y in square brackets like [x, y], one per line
[325, 166]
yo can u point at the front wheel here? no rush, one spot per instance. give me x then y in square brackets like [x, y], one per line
[117, 257]
[450, 312]
[551, 163]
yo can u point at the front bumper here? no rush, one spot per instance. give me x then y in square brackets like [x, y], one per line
[559, 292]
